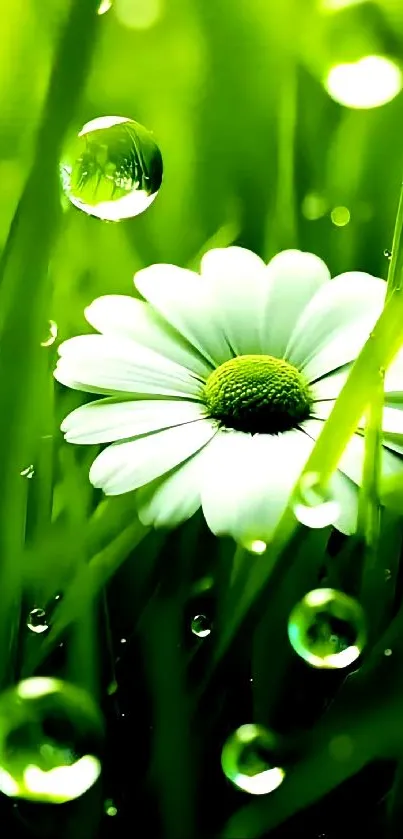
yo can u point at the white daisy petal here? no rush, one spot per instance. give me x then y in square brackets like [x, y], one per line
[336, 323]
[123, 467]
[330, 386]
[237, 282]
[184, 301]
[351, 461]
[171, 500]
[248, 480]
[120, 315]
[105, 364]
[109, 419]
[292, 278]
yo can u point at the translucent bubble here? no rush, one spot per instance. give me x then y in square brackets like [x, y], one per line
[327, 629]
[201, 626]
[51, 336]
[50, 740]
[28, 472]
[113, 169]
[314, 506]
[37, 621]
[248, 760]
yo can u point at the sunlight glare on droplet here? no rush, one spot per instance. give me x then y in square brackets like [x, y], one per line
[104, 6]
[327, 629]
[257, 546]
[51, 336]
[368, 83]
[37, 622]
[248, 760]
[201, 626]
[28, 472]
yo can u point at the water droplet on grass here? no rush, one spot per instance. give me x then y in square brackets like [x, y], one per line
[249, 761]
[327, 629]
[201, 626]
[37, 622]
[28, 472]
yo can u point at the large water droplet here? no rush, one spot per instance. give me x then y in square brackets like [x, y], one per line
[327, 628]
[248, 760]
[113, 169]
[51, 334]
[50, 741]
[37, 621]
[201, 626]
[314, 506]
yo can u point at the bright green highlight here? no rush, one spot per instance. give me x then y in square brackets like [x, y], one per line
[368, 83]
[327, 629]
[248, 761]
[257, 393]
[113, 169]
[50, 741]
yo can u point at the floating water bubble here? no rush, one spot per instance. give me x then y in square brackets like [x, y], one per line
[388, 254]
[248, 760]
[314, 506]
[201, 626]
[51, 336]
[113, 169]
[50, 741]
[327, 629]
[28, 472]
[37, 621]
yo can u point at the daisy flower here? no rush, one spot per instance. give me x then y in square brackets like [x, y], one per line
[218, 384]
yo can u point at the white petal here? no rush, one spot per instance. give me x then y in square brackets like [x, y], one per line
[126, 466]
[184, 301]
[236, 278]
[330, 386]
[117, 314]
[109, 419]
[351, 461]
[336, 323]
[248, 480]
[292, 278]
[171, 500]
[103, 364]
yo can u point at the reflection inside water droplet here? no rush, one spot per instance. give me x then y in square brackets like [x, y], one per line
[388, 254]
[201, 626]
[313, 505]
[104, 6]
[37, 621]
[249, 761]
[50, 741]
[28, 472]
[327, 629]
[113, 169]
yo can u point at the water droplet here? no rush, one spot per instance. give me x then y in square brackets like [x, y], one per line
[257, 546]
[104, 6]
[315, 506]
[113, 169]
[340, 216]
[388, 575]
[37, 621]
[388, 652]
[50, 741]
[112, 688]
[327, 629]
[110, 808]
[314, 206]
[123, 640]
[248, 760]
[28, 472]
[51, 336]
[201, 626]
[388, 254]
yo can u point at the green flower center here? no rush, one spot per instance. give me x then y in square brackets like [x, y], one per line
[257, 394]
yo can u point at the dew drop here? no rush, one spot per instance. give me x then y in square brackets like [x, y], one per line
[388, 575]
[110, 808]
[327, 629]
[113, 169]
[51, 336]
[37, 621]
[50, 741]
[388, 652]
[388, 254]
[201, 626]
[123, 640]
[314, 506]
[248, 760]
[28, 472]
